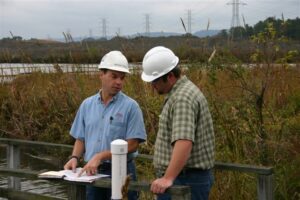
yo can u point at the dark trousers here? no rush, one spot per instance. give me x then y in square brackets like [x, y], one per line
[97, 193]
[200, 182]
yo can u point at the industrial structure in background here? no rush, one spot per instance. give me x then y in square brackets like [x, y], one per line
[235, 20]
[104, 28]
[187, 23]
[147, 25]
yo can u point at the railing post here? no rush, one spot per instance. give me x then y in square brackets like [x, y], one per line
[13, 162]
[76, 192]
[119, 150]
[265, 187]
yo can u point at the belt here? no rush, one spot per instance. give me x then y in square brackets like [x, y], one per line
[107, 165]
[193, 170]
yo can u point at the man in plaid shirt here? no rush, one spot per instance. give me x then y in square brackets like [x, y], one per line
[184, 147]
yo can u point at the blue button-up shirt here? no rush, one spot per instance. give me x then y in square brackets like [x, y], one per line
[98, 124]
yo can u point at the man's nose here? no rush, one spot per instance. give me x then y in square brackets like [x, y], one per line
[119, 81]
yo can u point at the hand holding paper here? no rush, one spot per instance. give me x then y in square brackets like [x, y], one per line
[69, 175]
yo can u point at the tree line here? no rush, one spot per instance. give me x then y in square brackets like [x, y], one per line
[289, 28]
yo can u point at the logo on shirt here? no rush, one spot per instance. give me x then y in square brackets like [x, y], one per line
[119, 116]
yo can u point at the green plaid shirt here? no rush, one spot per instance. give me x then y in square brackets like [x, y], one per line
[185, 115]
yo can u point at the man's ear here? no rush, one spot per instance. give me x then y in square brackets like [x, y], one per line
[101, 73]
[171, 76]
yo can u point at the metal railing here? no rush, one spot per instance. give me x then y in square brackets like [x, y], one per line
[77, 190]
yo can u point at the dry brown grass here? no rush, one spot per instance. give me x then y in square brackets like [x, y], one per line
[42, 107]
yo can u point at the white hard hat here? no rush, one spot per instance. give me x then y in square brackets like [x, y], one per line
[114, 60]
[157, 62]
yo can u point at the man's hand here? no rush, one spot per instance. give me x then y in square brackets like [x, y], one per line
[71, 164]
[160, 185]
[91, 167]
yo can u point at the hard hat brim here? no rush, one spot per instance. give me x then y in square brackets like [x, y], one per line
[147, 78]
[119, 69]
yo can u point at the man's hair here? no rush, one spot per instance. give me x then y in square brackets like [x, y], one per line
[104, 70]
[176, 71]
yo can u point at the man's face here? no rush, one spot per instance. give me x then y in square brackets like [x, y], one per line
[161, 86]
[112, 81]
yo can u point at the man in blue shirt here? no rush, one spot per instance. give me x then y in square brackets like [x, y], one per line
[102, 118]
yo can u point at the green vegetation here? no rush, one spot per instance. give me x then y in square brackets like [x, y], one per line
[256, 107]
[284, 28]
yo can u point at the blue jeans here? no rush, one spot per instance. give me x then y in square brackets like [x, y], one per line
[199, 181]
[97, 193]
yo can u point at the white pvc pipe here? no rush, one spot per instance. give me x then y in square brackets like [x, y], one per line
[119, 149]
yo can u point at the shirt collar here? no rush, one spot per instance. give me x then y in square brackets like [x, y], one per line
[115, 98]
[179, 82]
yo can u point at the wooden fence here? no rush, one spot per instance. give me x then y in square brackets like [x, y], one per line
[76, 191]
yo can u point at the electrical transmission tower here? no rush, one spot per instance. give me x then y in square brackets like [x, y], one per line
[147, 18]
[90, 33]
[119, 31]
[104, 26]
[235, 21]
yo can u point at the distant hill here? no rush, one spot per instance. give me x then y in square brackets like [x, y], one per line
[155, 34]
[206, 33]
[151, 34]
[167, 34]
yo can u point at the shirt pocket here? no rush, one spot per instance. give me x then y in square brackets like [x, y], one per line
[117, 130]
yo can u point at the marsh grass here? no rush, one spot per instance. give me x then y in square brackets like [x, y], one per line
[238, 123]
[255, 110]
[42, 107]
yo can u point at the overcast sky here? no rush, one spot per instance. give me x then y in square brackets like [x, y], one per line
[82, 18]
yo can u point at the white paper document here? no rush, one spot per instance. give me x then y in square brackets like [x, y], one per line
[69, 175]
